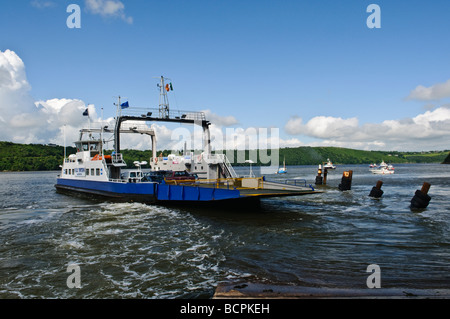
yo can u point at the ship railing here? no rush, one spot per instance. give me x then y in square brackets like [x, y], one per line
[224, 183]
[129, 180]
[117, 180]
[170, 114]
[295, 182]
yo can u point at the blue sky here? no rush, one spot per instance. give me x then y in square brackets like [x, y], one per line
[311, 68]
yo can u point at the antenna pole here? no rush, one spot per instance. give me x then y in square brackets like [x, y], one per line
[163, 100]
[116, 130]
[101, 133]
[119, 111]
[64, 142]
[89, 118]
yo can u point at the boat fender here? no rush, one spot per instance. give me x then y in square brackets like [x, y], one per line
[156, 160]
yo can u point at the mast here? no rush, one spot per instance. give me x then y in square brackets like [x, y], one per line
[163, 99]
[119, 108]
[117, 126]
[65, 142]
[101, 135]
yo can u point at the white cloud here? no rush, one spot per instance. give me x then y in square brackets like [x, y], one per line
[63, 116]
[108, 8]
[220, 120]
[24, 120]
[12, 72]
[16, 104]
[321, 126]
[291, 142]
[434, 92]
[427, 131]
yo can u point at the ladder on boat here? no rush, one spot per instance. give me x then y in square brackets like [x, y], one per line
[226, 167]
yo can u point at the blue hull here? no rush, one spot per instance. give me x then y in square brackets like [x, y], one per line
[148, 192]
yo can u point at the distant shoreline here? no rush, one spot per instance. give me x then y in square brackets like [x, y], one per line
[56, 171]
[37, 157]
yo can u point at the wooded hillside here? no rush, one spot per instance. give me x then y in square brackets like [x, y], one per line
[37, 157]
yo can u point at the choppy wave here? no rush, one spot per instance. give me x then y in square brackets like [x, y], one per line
[132, 250]
[123, 250]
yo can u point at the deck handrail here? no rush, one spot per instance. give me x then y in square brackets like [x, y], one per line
[235, 183]
[172, 114]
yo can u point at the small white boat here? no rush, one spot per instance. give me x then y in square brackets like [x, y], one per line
[383, 164]
[282, 170]
[329, 165]
[383, 169]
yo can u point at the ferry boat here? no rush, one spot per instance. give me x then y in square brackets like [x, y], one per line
[196, 178]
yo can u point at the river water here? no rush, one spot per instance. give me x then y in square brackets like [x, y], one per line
[132, 250]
